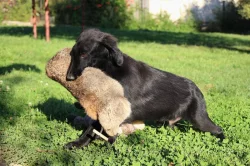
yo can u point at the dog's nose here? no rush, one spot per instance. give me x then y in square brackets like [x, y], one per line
[70, 77]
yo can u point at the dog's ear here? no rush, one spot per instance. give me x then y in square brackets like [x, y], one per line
[110, 43]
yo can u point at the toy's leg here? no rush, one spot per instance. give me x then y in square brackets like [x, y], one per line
[86, 137]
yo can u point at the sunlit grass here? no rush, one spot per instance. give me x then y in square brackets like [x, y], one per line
[33, 108]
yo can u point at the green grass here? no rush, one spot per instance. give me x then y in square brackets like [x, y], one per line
[33, 108]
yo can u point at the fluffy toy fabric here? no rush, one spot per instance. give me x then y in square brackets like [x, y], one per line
[101, 96]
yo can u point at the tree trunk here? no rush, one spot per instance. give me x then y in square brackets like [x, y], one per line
[34, 19]
[47, 30]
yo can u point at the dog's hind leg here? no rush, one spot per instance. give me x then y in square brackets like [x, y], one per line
[199, 118]
[173, 121]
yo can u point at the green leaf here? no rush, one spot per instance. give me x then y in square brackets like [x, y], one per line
[136, 163]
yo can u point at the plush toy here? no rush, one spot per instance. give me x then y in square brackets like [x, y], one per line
[101, 96]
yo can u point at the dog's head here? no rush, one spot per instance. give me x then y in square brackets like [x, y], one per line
[96, 49]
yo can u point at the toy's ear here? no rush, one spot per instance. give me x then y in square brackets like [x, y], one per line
[110, 43]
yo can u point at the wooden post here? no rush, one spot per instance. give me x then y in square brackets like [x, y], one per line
[34, 19]
[47, 30]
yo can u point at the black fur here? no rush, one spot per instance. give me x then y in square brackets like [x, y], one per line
[154, 94]
[88, 136]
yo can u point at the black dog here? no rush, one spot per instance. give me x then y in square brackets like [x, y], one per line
[154, 94]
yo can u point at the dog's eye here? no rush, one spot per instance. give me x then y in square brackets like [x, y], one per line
[83, 55]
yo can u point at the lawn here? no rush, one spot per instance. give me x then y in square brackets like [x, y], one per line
[33, 108]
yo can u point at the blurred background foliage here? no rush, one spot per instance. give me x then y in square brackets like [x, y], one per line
[118, 14]
[244, 9]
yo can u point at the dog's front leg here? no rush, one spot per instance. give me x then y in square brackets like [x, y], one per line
[86, 137]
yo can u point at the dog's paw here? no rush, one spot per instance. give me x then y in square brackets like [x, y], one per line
[111, 140]
[72, 145]
[221, 136]
[69, 146]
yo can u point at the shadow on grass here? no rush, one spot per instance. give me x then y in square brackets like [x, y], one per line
[59, 110]
[10, 105]
[181, 125]
[65, 32]
[162, 37]
[18, 66]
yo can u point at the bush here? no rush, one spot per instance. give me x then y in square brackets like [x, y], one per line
[99, 13]
[244, 9]
[115, 14]
[1, 18]
[107, 14]
[162, 22]
[159, 22]
[3, 9]
[66, 13]
[232, 21]
[19, 11]
[229, 20]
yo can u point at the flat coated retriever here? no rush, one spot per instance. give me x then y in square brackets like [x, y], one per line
[154, 94]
